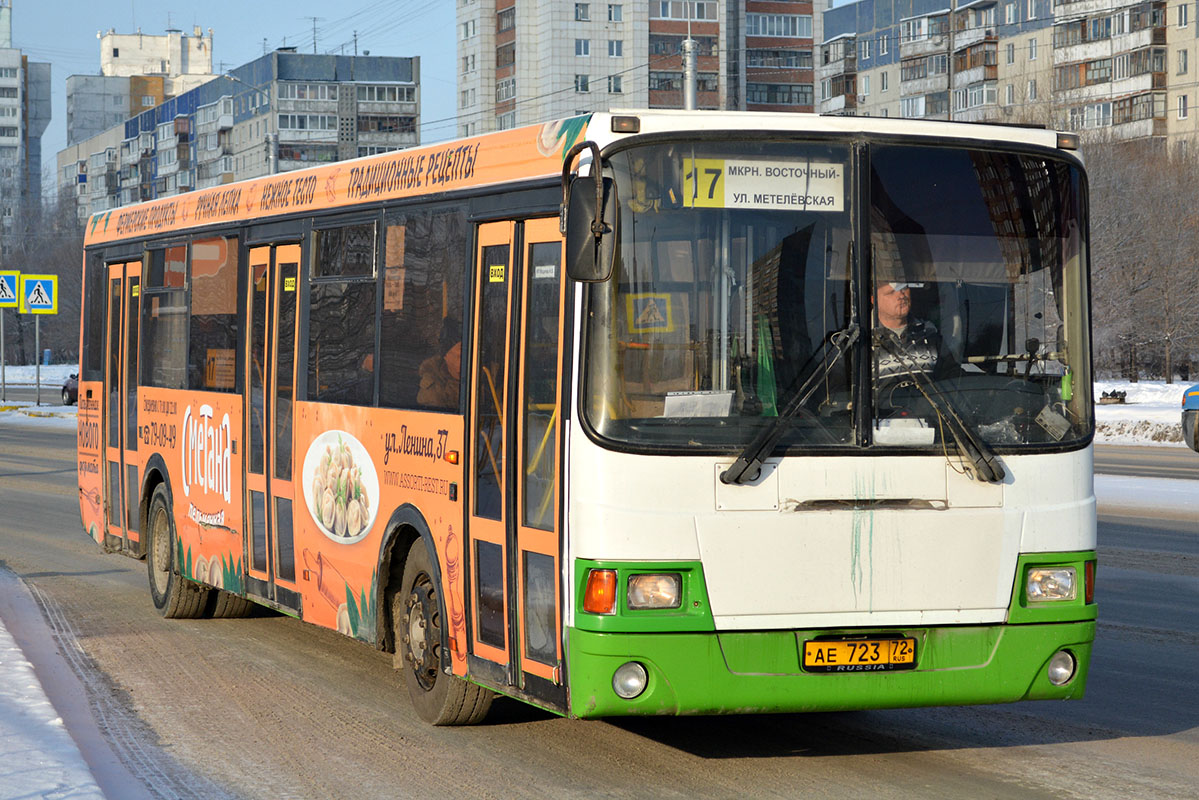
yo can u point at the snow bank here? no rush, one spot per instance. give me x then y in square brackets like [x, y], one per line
[1150, 414]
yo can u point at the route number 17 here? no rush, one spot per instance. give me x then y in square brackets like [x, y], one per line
[703, 183]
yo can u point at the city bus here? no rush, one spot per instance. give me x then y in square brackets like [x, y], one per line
[656, 412]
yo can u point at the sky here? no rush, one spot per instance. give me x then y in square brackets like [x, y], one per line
[63, 33]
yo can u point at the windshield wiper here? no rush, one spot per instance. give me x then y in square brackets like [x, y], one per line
[748, 465]
[972, 447]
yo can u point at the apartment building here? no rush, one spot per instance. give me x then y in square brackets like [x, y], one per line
[522, 62]
[24, 115]
[283, 111]
[1123, 70]
[137, 71]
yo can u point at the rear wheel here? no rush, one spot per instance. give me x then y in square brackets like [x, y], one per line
[225, 605]
[416, 617]
[174, 596]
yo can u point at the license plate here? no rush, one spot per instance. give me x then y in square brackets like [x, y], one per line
[858, 655]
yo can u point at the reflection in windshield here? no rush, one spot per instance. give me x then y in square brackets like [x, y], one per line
[736, 266]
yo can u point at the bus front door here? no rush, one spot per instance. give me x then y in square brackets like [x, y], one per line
[515, 463]
[270, 394]
[121, 487]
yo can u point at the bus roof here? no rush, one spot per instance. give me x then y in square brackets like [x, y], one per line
[491, 159]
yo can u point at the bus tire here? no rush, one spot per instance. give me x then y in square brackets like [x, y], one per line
[174, 596]
[226, 605]
[416, 614]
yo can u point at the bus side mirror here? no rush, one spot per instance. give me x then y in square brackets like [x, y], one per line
[591, 236]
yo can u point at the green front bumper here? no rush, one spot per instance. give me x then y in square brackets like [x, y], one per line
[759, 672]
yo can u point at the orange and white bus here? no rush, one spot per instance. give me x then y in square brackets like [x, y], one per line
[640, 445]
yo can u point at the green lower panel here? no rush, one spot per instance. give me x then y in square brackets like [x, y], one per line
[745, 673]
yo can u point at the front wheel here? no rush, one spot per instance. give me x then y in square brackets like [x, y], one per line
[416, 617]
[174, 596]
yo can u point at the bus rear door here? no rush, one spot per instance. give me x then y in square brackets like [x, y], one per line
[515, 463]
[270, 397]
[121, 489]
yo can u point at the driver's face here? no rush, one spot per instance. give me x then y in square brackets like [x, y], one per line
[893, 306]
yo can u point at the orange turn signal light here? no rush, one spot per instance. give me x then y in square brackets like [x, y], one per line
[452, 456]
[600, 597]
[1089, 582]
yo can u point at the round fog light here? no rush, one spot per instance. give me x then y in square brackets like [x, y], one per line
[1061, 668]
[629, 680]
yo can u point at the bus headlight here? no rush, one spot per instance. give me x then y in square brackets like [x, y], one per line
[655, 591]
[629, 680]
[1061, 668]
[1051, 583]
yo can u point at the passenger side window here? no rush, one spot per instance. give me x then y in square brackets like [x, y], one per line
[164, 319]
[341, 315]
[425, 260]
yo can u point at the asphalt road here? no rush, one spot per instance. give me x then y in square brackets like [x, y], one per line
[270, 707]
[1153, 461]
[51, 395]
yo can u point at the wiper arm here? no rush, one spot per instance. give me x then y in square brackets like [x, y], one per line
[748, 465]
[976, 450]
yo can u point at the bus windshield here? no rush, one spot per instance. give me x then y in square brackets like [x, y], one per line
[744, 296]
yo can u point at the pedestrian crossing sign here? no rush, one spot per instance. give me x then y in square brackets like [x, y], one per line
[9, 281]
[39, 294]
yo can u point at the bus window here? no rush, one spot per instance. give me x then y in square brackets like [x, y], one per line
[164, 319]
[425, 255]
[341, 316]
[213, 337]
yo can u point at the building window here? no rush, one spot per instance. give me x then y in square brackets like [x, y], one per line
[678, 9]
[779, 59]
[116, 52]
[1182, 106]
[863, 49]
[1009, 14]
[615, 12]
[505, 20]
[505, 55]
[783, 94]
[1032, 90]
[582, 83]
[1183, 21]
[884, 44]
[1009, 94]
[615, 84]
[1032, 49]
[505, 90]
[865, 84]
[582, 47]
[1030, 9]
[468, 29]
[783, 25]
[468, 64]
[1011, 53]
[582, 12]
[615, 48]
[882, 82]
[665, 81]
[1182, 62]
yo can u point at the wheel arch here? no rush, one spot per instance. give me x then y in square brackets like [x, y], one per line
[153, 474]
[405, 526]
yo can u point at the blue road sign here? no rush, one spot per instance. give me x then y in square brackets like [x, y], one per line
[39, 294]
[9, 281]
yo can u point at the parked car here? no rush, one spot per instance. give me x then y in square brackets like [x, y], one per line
[1190, 417]
[70, 389]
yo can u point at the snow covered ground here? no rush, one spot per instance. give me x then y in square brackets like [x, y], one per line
[38, 757]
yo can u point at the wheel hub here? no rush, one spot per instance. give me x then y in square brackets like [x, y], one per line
[421, 635]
